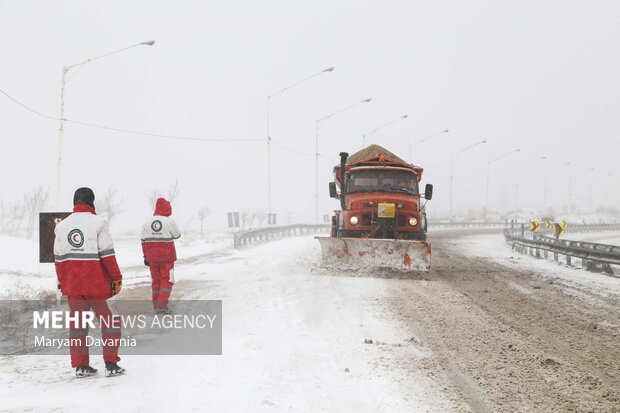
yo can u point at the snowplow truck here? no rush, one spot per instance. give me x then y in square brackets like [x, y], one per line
[382, 221]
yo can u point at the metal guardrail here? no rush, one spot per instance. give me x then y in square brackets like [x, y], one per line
[260, 235]
[495, 224]
[594, 256]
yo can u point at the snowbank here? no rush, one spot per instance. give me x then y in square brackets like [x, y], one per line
[494, 246]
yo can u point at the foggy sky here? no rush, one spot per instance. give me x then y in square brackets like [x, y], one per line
[539, 76]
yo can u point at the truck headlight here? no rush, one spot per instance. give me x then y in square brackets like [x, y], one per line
[413, 222]
[354, 220]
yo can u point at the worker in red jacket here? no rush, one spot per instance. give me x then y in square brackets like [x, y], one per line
[88, 275]
[158, 235]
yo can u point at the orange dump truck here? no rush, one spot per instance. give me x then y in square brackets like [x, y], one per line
[382, 221]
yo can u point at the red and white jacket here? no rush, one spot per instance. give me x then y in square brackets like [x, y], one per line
[84, 254]
[159, 233]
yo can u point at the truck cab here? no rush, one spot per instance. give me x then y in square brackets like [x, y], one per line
[380, 197]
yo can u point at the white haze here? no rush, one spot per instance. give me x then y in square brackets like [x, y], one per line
[539, 76]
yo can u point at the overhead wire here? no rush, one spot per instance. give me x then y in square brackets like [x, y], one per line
[129, 131]
[157, 135]
[300, 152]
[291, 149]
[27, 107]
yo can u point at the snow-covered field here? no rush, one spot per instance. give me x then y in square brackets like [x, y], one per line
[293, 340]
[22, 276]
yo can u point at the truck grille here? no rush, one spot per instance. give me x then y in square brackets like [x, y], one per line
[366, 220]
[402, 220]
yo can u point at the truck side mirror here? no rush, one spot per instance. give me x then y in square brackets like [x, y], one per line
[333, 192]
[428, 192]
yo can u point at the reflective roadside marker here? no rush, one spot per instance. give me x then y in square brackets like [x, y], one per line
[558, 229]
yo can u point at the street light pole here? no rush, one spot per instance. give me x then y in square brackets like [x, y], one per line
[61, 130]
[452, 171]
[547, 172]
[316, 152]
[411, 146]
[379, 128]
[269, 102]
[489, 167]
[517, 178]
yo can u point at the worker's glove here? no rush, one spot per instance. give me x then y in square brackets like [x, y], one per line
[145, 261]
[116, 286]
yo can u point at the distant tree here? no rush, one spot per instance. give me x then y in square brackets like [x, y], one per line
[12, 216]
[170, 195]
[246, 220]
[260, 217]
[203, 213]
[34, 202]
[173, 191]
[152, 196]
[20, 217]
[109, 205]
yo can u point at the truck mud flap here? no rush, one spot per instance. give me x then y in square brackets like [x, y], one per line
[377, 253]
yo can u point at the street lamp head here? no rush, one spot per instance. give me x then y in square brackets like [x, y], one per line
[148, 43]
[445, 131]
[329, 69]
[366, 100]
[518, 150]
[484, 141]
[404, 116]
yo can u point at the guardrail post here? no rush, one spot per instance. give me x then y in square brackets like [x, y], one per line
[568, 259]
[607, 269]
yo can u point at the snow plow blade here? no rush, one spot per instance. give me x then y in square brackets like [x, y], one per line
[401, 255]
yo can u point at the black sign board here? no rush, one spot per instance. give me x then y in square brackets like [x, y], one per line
[47, 223]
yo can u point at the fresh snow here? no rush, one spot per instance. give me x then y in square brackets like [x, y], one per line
[607, 237]
[494, 246]
[293, 340]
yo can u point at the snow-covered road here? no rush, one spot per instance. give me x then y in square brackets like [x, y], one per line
[293, 339]
[490, 331]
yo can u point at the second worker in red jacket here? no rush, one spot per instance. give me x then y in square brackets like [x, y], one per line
[158, 235]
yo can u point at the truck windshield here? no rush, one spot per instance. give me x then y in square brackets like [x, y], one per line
[382, 181]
